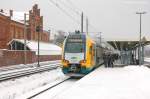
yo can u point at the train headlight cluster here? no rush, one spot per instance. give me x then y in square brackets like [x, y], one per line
[65, 62]
[83, 62]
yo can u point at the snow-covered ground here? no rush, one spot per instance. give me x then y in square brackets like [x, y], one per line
[52, 93]
[17, 87]
[131, 82]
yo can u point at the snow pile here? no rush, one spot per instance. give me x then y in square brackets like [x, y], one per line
[130, 82]
[18, 87]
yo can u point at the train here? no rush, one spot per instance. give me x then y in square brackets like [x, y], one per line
[81, 54]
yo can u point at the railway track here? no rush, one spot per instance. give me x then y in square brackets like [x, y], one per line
[47, 89]
[22, 66]
[27, 71]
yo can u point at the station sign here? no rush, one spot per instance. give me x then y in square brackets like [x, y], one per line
[75, 40]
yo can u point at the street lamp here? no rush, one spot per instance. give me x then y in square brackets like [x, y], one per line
[140, 13]
[100, 38]
[49, 35]
[38, 29]
[25, 37]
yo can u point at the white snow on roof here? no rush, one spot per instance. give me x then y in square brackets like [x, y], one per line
[45, 48]
[5, 13]
[17, 15]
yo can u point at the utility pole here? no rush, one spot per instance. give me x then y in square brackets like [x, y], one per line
[49, 31]
[38, 30]
[140, 45]
[25, 38]
[82, 22]
[100, 38]
[87, 26]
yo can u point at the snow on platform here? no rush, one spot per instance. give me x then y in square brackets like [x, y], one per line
[131, 82]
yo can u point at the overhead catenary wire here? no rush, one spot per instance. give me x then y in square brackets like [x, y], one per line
[64, 11]
[72, 8]
[79, 13]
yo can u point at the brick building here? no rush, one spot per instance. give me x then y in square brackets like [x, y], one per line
[12, 26]
[13, 32]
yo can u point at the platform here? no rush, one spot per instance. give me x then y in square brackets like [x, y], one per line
[130, 82]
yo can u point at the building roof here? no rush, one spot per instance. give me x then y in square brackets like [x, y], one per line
[5, 13]
[18, 16]
[45, 48]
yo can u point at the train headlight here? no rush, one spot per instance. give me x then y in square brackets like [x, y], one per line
[65, 62]
[83, 62]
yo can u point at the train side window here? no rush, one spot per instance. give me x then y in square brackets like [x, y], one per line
[94, 52]
[81, 49]
[90, 51]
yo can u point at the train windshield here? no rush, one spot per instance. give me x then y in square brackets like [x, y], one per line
[74, 47]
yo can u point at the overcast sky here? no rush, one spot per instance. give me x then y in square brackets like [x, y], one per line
[114, 18]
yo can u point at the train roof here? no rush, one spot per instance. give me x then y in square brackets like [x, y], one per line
[103, 43]
[81, 36]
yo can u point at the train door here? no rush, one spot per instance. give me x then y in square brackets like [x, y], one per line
[92, 55]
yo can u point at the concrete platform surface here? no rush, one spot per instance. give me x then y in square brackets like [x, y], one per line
[130, 82]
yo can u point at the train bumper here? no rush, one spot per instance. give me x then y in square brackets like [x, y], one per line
[76, 69]
[65, 70]
[85, 70]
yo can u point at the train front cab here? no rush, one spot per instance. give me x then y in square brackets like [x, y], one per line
[84, 66]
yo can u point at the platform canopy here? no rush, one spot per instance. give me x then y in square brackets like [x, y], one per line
[127, 44]
[45, 48]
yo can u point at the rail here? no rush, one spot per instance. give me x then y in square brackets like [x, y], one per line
[46, 89]
[28, 71]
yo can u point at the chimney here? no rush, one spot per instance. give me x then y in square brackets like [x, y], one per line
[2, 10]
[38, 12]
[36, 6]
[11, 13]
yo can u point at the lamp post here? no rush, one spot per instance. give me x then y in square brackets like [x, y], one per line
[25, 38]
[87, 26]
[99, 38]
[38, 29]
[49, 35]
[82, 22]
[139, 51]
